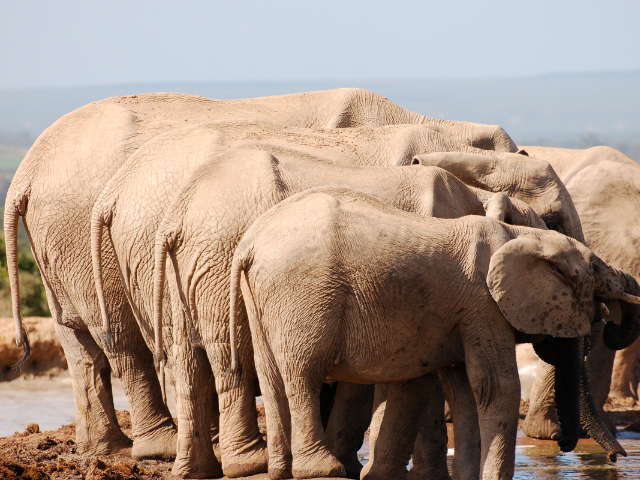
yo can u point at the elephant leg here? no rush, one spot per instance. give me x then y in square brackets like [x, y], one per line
[624, 385]
[600, 367]
[311, 455]
[276, 410]
[493, 374]
[350, 417]
[154, 432]
[542, 420]
[462, 404]
[242, 447]
[215, 422]
[194, 390]
[97, 429]
[399, 414]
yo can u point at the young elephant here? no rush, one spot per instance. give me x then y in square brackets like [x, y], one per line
[340, 286]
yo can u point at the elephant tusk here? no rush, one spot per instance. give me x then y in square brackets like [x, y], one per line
[604, 309]
[626, 297]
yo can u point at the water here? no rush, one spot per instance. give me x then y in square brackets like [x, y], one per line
[542, 462]
[49, 403]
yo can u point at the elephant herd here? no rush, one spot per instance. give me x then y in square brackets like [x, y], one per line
[352, 262]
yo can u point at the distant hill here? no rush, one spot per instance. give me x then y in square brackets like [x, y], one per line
[573, 110]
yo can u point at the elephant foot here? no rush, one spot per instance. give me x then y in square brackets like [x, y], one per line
[352, 466]
[379, 471]
[279, 473]
[203, 467]
[418, 473]
[317, 466]
[247, 463]
[217, 451]
[542, 425]
[195, 457]
[159, 443]
[117, 443]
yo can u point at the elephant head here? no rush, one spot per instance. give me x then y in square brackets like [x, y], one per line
[546, 283]
[530, 180]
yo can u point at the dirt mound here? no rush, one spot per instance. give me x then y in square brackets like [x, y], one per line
[36, 455]
[47, 357]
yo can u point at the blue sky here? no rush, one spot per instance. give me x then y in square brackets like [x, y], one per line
[68, 43]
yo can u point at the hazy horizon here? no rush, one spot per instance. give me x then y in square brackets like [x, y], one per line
[69, 43]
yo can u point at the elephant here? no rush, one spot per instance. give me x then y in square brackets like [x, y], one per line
[54, 190]
[605, 187]
[131, 205]
[338, 285]
[193, 223]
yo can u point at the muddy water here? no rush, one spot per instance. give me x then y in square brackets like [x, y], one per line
[543, 460]
[50, 404]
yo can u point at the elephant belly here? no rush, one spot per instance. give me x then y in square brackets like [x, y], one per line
[397, 362]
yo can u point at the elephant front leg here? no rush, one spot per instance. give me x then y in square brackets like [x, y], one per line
[542, 420]
[97, 429]
[430, 448]
[350, 417]
[457, 391]
[400, 408]
[194, 393]
[493, 374]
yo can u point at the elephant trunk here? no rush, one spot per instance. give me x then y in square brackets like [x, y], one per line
[591, 422]
[11, 219]
[159, 273]
[564, 355]
[97, 227]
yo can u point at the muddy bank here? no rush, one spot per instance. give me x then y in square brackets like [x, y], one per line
[35, 455]
[47, 357]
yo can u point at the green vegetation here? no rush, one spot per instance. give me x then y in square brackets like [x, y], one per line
[33, 300]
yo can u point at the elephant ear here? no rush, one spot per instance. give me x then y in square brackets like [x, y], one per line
[543, 285]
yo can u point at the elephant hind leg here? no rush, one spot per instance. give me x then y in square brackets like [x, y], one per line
[97, 429]
[311, 455]
[276, 408]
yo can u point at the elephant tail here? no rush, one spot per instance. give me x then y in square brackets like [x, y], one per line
[100, 218]
[240, 262]
[14, 209]
[159, 275]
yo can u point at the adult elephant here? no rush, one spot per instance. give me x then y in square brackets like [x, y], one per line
[54, 190]
[605, 187]
[131, 207]
[362, 272]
